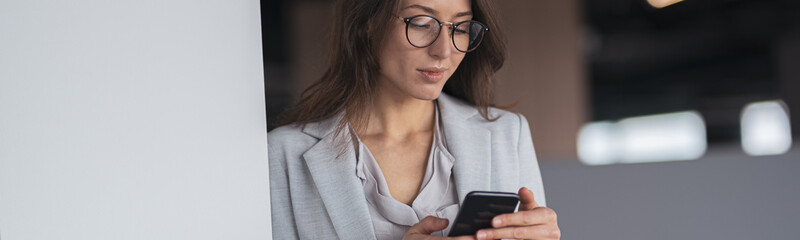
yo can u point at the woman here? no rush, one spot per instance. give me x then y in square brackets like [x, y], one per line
[399, 129]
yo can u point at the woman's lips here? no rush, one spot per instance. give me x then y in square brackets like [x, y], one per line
[432, 75]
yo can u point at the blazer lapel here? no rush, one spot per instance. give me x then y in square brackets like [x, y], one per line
[335, 178]
[469, 143]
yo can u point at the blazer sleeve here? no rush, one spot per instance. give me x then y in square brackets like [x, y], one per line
[530, 176]
[283, 222]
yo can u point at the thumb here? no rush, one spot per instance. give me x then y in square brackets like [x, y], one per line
[526, 199]
[428, 225]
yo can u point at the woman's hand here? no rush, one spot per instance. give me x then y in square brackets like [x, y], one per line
[428, 225]
[530, 222]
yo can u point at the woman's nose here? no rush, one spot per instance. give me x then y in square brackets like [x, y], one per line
[442, 47]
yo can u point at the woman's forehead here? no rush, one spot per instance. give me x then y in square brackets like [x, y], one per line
[440, 8]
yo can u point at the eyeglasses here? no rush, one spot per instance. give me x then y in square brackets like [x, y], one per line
[423, 30]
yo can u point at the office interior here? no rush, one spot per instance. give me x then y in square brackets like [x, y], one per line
[651, 119]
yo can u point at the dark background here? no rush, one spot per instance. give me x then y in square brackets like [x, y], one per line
[712, 55]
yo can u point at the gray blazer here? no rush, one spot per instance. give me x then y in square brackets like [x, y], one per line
[315, 196]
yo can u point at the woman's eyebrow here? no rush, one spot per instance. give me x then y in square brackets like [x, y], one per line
[434, 12]
[423, 8]
[461, 14]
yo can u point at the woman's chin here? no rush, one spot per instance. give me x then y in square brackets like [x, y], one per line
[429, 96]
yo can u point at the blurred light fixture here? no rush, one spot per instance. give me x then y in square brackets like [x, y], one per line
[596, 143]
[765, 128]
[654, 138]
[663, 137]
[662, 3]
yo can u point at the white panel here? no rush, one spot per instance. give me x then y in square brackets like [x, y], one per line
[653, 138]
[766, 128]
[597, 143]
[132, 120]
[662, 137]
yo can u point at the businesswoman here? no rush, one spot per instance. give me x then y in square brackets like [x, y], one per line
[399, 129]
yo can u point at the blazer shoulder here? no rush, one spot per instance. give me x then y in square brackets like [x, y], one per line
[505, 119]
[286, 132]
[289, 138]
[455, 108]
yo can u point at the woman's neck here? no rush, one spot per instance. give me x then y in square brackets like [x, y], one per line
[399, 115]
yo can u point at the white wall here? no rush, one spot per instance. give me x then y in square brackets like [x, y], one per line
[132, 120]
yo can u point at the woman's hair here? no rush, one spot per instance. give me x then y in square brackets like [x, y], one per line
[349, 84]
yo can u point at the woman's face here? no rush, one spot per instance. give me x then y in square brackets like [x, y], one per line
[421, 72]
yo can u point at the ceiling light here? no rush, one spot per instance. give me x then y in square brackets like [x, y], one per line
[662, 3]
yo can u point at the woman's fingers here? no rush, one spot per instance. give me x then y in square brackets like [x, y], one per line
[530, 222]
[468, 237]
[526, 200]
[428, 225]
[539, 215]
[526, 232]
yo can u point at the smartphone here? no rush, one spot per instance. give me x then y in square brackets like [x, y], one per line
[478, 210]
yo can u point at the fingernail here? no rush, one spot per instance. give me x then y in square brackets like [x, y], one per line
[441, 221]
[481, 235]
[497, 222]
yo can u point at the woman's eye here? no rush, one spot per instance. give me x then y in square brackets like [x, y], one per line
[421, 26]
[461, 30]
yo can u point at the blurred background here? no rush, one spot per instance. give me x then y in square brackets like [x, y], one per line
[652, 119]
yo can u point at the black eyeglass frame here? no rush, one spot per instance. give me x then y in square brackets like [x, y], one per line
[453, 26]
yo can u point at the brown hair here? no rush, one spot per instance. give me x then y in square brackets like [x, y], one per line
[349, 83]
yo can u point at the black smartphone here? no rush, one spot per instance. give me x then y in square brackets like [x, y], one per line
[478, 210]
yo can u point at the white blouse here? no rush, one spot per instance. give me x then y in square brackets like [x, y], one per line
[391, 219]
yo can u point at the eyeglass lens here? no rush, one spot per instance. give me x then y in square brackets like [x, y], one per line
[422, 31]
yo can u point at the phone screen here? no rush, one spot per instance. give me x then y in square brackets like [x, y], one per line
[478, 210]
